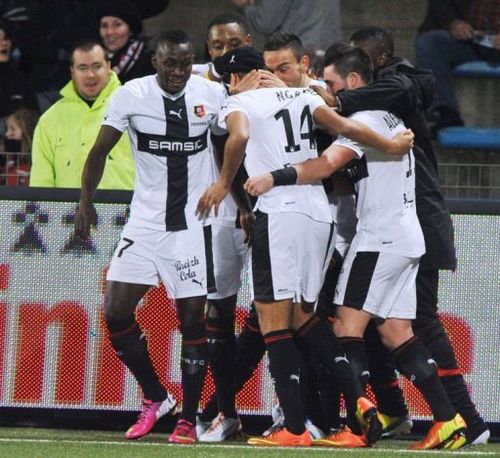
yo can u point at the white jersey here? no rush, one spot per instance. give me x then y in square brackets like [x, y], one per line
[281, 133]
[168, 134]
[202, 69]
[228, 210]
[385, 187]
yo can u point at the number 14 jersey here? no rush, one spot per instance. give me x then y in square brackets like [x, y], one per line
[281, 134]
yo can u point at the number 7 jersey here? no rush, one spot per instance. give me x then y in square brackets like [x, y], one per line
[281, 134]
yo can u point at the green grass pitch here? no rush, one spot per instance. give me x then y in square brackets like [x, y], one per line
[52, 443]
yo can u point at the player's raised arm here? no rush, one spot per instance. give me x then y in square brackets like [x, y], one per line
[92, 173]
[338, 125]
[234, 151]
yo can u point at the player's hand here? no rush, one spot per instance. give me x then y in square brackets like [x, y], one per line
[403, 141]
[329, 99]
[247, 220]
[85, 219]
[269, 79]
[249, 81]
[211, 199]
[461, 30]
[256, 186]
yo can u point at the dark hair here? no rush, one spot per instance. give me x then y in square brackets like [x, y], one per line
[285, 40]
[229, 18]
[335, 52]
[7, 29]
[27, 120]
[379, 37]
[175, 36]
[348, 59]
[86, 45]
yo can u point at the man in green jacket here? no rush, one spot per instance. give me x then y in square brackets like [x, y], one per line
[68, 129]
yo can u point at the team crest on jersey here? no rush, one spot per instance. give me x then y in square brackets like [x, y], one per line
[199, 110]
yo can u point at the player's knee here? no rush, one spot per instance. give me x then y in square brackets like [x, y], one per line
[191, 312]
[117, 323]
[343, 327]
[221, 308]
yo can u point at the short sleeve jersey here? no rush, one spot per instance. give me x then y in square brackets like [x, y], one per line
[169, 137]
[385, 187]
[228, 210]
[281, 133]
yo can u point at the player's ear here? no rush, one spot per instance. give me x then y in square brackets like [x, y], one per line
[248, 40]
[352, 80]
[154, 62]
[305, 60]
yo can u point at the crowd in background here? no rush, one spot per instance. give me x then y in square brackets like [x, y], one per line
[37, 38]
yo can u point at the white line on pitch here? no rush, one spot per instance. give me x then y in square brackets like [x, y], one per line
[465, 452]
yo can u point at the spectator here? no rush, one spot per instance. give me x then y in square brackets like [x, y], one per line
[45, 32]
[455, 32]
[65, 132]
[16, 88]
[120, 29]
[18, 139]
[316, 22]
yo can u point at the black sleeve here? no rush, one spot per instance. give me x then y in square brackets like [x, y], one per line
[397, 94]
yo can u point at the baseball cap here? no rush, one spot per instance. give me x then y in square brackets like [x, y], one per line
[239, 60]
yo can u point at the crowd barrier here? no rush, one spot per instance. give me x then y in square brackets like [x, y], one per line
[54, 353]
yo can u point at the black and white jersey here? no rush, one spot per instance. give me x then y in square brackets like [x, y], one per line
[228, 210]
[385, 187]
[281, 133]
[169, 137]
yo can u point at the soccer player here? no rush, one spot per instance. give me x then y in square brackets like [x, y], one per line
[225, 32]
[292, 236]
[219, 420]
[377, 280]
[395, 80]
[285, 57]
[168, 117]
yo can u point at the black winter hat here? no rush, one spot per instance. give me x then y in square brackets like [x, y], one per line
[124, 10]
[239, 60]
[7, 29]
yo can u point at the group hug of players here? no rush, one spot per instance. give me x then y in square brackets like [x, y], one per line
[205, 138]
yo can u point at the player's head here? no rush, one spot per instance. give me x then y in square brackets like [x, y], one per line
[226, 32]
[239, 62]
[377, 43]
[346, 67]
[90, 68]
[173, 60]
[285, 56]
